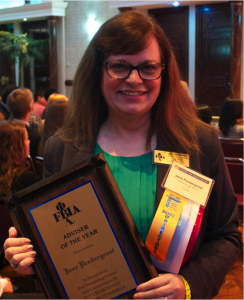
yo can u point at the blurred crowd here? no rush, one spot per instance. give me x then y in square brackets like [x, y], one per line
[26, 122]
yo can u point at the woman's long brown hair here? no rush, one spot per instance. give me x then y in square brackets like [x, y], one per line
[174, 115]
[12, 155]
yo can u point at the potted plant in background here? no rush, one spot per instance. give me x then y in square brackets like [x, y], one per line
[19, 49]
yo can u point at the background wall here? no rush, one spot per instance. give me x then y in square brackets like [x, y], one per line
[76, 35]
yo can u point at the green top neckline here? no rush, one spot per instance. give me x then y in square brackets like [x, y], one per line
[136, 177]
[101, 150]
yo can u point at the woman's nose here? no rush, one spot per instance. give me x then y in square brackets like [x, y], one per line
[134, 78]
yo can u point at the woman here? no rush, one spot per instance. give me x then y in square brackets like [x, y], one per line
[54, 120]
[127, 99]
[204, 113]
[14, 150]
[52, 98]
[14, 173]
[231, 118]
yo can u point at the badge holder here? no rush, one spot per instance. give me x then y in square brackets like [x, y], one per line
[177, 222]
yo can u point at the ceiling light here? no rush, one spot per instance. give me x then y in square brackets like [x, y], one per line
[176, 3]
[91, 26]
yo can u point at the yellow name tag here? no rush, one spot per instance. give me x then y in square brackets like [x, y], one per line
[166, 158]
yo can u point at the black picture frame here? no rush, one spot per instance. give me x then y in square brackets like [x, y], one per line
[95, 171]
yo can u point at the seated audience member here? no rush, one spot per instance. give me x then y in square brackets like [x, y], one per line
[204, 113]
[48, 93]
[52, 98]
[55, 97]
[40, 103]
[231, 118]
[54, 120]
[14, 151]
[34, 120]
[20, 104]
[3, 103]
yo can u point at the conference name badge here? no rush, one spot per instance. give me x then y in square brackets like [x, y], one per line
[188, 183]
[185, 192]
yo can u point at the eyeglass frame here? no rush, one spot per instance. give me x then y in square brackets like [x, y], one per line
[105, 63]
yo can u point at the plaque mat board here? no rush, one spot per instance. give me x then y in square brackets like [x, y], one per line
[87, 244]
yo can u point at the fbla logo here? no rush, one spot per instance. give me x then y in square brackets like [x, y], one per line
[159, 156]
[64, 213]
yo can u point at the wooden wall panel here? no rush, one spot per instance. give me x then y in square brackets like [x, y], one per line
[213, 48]
[174, 22]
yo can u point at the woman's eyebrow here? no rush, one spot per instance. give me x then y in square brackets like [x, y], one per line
[143, 62]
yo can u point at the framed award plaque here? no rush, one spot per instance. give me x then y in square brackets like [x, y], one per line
[87, 244]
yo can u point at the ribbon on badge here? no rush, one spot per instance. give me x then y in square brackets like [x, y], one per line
[164, 224]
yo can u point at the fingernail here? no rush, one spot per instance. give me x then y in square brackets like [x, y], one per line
[33, 253]
[11, 232]
[27, 241]
[30, 247]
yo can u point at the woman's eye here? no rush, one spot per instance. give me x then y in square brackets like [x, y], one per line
[148, 68]
[118, 66]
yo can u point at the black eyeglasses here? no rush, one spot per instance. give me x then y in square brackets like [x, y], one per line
[122, 70]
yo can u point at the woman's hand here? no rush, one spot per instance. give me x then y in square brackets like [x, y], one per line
[166, 286]
[19, 252]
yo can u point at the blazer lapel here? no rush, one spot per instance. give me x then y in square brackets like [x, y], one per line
[161, 172]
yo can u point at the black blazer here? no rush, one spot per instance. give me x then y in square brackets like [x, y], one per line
[25, 179]
[34, 138]
[219, 241]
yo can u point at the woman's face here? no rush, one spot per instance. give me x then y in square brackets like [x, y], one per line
[133, 95]
[27, 144]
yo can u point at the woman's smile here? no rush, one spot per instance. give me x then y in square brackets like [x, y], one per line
[132, 93]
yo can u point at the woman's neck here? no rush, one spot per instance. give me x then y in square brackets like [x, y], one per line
[125, 136]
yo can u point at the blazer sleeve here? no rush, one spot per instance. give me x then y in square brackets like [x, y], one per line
[220, 240]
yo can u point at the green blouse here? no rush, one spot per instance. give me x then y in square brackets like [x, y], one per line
[136, 178]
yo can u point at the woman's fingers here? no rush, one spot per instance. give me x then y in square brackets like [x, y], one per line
[19, 252]
[152, 284]
[12, 232]
[159, 293]
[18, 258]
[14, 246]
[15, 242]
[166, 285]
[25, 266]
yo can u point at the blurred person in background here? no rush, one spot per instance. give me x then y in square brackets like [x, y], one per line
[14, 150]
[55, 118]
[231, 118]
[40, 103]
[204, 113]
[47, 93]
[51, 99]
[14, 176]
[20, 103]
